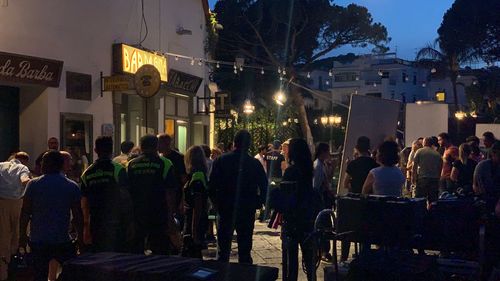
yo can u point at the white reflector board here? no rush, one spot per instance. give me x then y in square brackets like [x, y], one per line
[425, 120]
[372, 117]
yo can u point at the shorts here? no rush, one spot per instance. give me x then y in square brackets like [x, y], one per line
[44, 253]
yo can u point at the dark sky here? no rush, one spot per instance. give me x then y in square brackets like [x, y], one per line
[411, 23]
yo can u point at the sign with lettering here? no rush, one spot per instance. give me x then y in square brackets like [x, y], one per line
[117, 83]
[32, 70]
[127, 59]
[147, 81]
[222, 104]
[183, 83]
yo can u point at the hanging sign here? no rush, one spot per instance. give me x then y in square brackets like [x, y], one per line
[127, 59]
[147, 81]
[183, 83]
[117, 83]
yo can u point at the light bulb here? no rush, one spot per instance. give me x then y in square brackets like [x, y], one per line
[217, 65]
[262, 71]
[241, 68]
[192, 61]
[284, 71]
[308, 75]
[279, 70]
[176, 58]
[330, 73]
[235, 71]
[200, 62]
[234, 66]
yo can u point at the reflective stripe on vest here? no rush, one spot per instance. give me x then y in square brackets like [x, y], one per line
[118, 168]
[199, 176]
[167, 163]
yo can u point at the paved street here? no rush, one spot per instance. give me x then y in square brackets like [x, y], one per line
[266, 251]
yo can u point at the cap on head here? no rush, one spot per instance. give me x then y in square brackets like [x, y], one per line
[276, 144]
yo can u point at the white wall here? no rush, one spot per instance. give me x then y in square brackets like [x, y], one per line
[81, 34]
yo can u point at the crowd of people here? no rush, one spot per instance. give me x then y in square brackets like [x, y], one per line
[152, 199]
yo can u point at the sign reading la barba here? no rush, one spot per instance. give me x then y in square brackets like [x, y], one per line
[32, 70]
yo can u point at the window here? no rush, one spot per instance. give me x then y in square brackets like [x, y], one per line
[345, 77]
[182, 138]
[440, 96]
[377, 95]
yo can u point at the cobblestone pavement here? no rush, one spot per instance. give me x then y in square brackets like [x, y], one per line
[266, 251]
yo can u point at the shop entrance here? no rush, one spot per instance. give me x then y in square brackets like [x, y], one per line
[9, 121]
[76, 138]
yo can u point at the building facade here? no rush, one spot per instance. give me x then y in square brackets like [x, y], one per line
[52, 57]
[385, 76]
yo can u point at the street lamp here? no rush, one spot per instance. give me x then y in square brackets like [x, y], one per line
[332, 120]
[280, 97]
[324, 120]
[248, 107]
[460, 115]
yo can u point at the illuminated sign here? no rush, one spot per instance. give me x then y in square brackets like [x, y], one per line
[128, 59]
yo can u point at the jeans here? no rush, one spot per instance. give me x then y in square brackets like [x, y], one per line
[290, 251]
[243, 222]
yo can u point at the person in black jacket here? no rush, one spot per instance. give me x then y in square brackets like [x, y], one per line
[300, 204]
[195, 194]
[237, 187]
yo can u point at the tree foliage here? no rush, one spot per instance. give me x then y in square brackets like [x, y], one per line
[446, 60]
[290, 34]
[472, 25]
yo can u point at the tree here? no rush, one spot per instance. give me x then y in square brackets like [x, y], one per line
[473, 25]
[290, 35]
[446, 62]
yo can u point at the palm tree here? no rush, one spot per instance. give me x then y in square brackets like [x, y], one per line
[446, 62]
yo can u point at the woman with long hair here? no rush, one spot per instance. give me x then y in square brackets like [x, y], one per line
[195, 193]
[463, 168]
[299, 204]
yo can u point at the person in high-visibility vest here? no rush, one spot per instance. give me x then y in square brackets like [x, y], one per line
[196, 197]
[152, 188]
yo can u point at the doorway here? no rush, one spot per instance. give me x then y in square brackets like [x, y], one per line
[9, 121]
[76, 138]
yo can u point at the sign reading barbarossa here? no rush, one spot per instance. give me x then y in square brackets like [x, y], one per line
[128, 59]
[33, 70]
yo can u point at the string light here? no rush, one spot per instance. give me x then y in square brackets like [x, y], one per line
[235, 67]
[309, 75]
[217, 65]
[241, 68]
[262, 71]
[235, 71]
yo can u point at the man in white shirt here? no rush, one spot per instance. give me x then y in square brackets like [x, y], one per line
[14, 176]
[261, 156]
